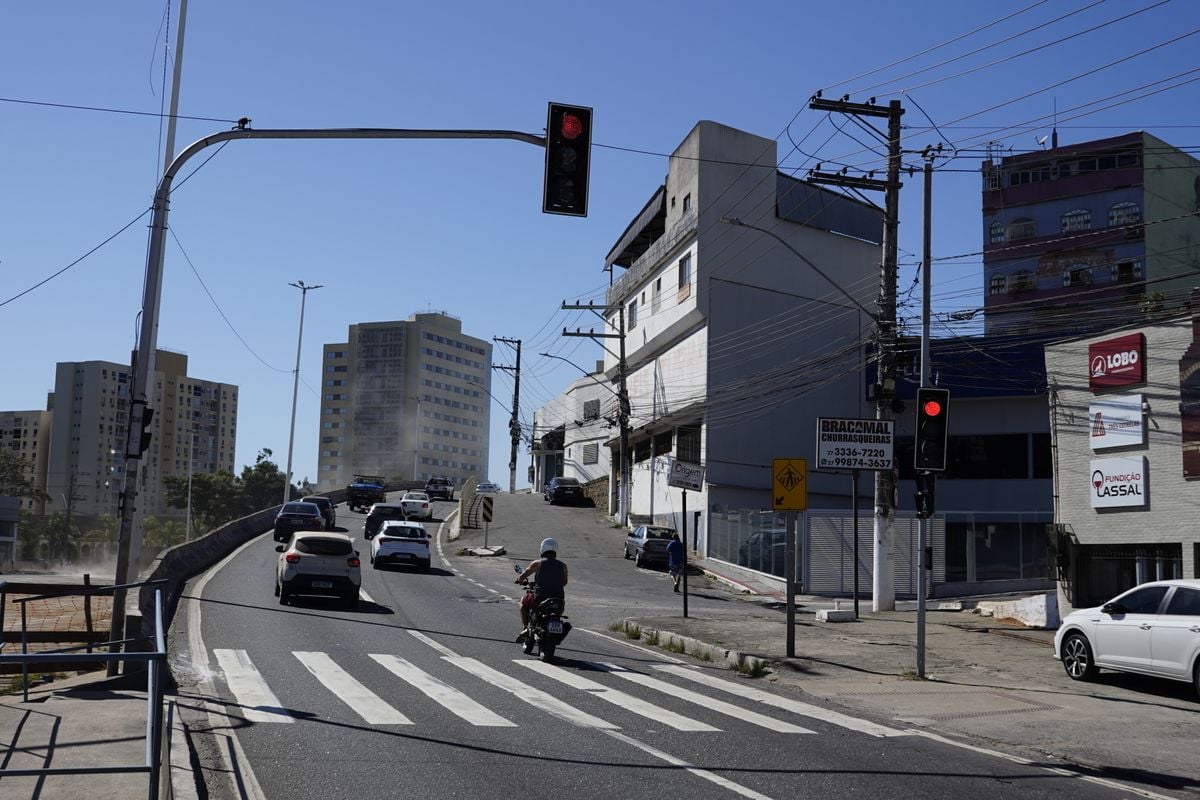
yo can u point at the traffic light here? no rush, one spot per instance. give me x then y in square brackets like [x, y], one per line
[924, 495]
[933, 411]
[568, 150]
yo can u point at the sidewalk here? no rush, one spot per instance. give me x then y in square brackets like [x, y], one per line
[988, 683]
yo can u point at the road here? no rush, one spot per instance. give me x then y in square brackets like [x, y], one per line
[421, 692]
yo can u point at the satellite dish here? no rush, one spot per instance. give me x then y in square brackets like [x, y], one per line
[1042, 141]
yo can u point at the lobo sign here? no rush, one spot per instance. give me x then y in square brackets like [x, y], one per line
[1117, 362]
[854, 443]
[1118, 482]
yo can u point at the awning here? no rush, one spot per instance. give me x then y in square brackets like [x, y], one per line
[647, 226]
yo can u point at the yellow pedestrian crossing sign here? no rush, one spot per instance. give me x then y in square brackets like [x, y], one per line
[789, 484]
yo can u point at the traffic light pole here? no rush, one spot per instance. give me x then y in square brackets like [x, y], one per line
[923, 520]
[129, 542]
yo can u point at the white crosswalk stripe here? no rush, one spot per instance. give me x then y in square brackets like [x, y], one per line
[543, 701]
[368, 705]
[254, 697]
[448, 697]
[785, 703]
[619, 698]
[720, 706]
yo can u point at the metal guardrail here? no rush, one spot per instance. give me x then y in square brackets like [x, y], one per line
[156, 660]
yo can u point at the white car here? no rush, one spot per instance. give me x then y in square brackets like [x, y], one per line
[320, 563]
[1153, 629]
[417, 505]
[487, 487]
[400, 542]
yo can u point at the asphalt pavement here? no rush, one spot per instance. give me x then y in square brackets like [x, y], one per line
[988, 684]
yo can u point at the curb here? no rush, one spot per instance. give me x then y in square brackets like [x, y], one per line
[723, 657]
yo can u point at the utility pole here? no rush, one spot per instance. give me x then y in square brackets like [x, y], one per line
[622, 391]
[514, 424]
[884, 590]
[287, 476]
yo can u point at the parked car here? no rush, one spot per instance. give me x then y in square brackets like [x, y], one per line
[487, 487]
[765, 550]
[326, 505]
[297, 516]
[647, 544]
[318, 563]
[416, 505]
[564, 490]
[1152, 629]
[439, 489]
[379, 514]
[400, 542]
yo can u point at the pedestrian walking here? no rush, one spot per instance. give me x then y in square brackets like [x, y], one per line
[675, 559]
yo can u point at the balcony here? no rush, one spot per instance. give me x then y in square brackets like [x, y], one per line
[649, 261]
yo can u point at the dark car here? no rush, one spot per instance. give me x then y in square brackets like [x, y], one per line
[326, 505]
[765, 550]
[297, 516]
[439, 489]
[380, 513]
[647, 544]
[564, 490]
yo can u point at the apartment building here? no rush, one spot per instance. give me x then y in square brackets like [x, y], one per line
[408, 400]
[570, 433]
[195, 422]
[1082, 237]
[27, 435]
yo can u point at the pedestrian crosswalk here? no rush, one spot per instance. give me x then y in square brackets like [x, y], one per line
[463, 686]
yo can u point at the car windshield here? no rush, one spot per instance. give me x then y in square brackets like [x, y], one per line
[301, 508]
[659, 533]
[388, 511]
[566, 482]
[324, 547]
[419, 497]
[402, 532]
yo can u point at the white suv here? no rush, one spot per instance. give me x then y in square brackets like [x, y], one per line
[400, 541]
[322, 563]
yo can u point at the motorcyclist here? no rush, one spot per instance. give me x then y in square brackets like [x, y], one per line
[549, 580]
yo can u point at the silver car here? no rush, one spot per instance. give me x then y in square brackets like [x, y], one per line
[1152, 629]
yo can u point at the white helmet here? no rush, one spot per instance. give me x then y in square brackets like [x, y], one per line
[548, 544]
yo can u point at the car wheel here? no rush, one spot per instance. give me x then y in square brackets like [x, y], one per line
[625, 552]
[351, 600]
[277, 590]
[1196, 678]
[639, 559]
[425, 565]
[284, 597]
[528, 645]
[1077, 658]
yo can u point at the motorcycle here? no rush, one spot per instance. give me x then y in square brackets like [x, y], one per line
[547, 626]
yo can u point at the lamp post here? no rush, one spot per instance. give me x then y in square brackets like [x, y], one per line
[416, 437]
[187, 531]
[287, 477]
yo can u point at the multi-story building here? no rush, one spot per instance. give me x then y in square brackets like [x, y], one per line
[195, 421]
[570, 433]
[26, 434]
[734, 344]
[408, 400]
[1081, 237]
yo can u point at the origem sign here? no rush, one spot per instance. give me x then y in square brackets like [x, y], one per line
[686, 476]
[1118, 482]
[1116, 421]
[1117, 362]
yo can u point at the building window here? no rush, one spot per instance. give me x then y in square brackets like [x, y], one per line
[996, 233]
[1021, 282]
[687, 202]
[997, 285]
[656, 296]
[1021, 229]
[687, 442]
[591, 410]
[1077, 276]
[1127, 271]
[685, 270]
[633, 313]
[591, 453]
[1079, 219]
[1126, 213]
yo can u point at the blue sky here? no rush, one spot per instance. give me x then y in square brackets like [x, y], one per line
[389, 228]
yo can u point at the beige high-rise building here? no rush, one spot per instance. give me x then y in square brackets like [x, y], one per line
[194, 420]
[27, 435]
[408, 400]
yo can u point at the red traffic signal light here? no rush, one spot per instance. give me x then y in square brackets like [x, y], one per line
[932, 432]
[568, 151]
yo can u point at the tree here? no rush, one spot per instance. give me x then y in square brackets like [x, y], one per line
[13, 480]
[159, 534]
[261, 484]
[216, 497]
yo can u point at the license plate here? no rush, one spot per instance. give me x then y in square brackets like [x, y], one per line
[554, 626]
[322, 584]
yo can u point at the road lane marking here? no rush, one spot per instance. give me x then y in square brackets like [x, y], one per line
[448, 697]
[784, 703]
[616, 697]
[368, 705]
[441, 648]
[256, 701]
[724, 783]
[543, 701]
[720, 706]
[364, 596]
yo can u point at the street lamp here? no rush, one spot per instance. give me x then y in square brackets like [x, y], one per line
[187, 531]
[287, 477]
[416, 437]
